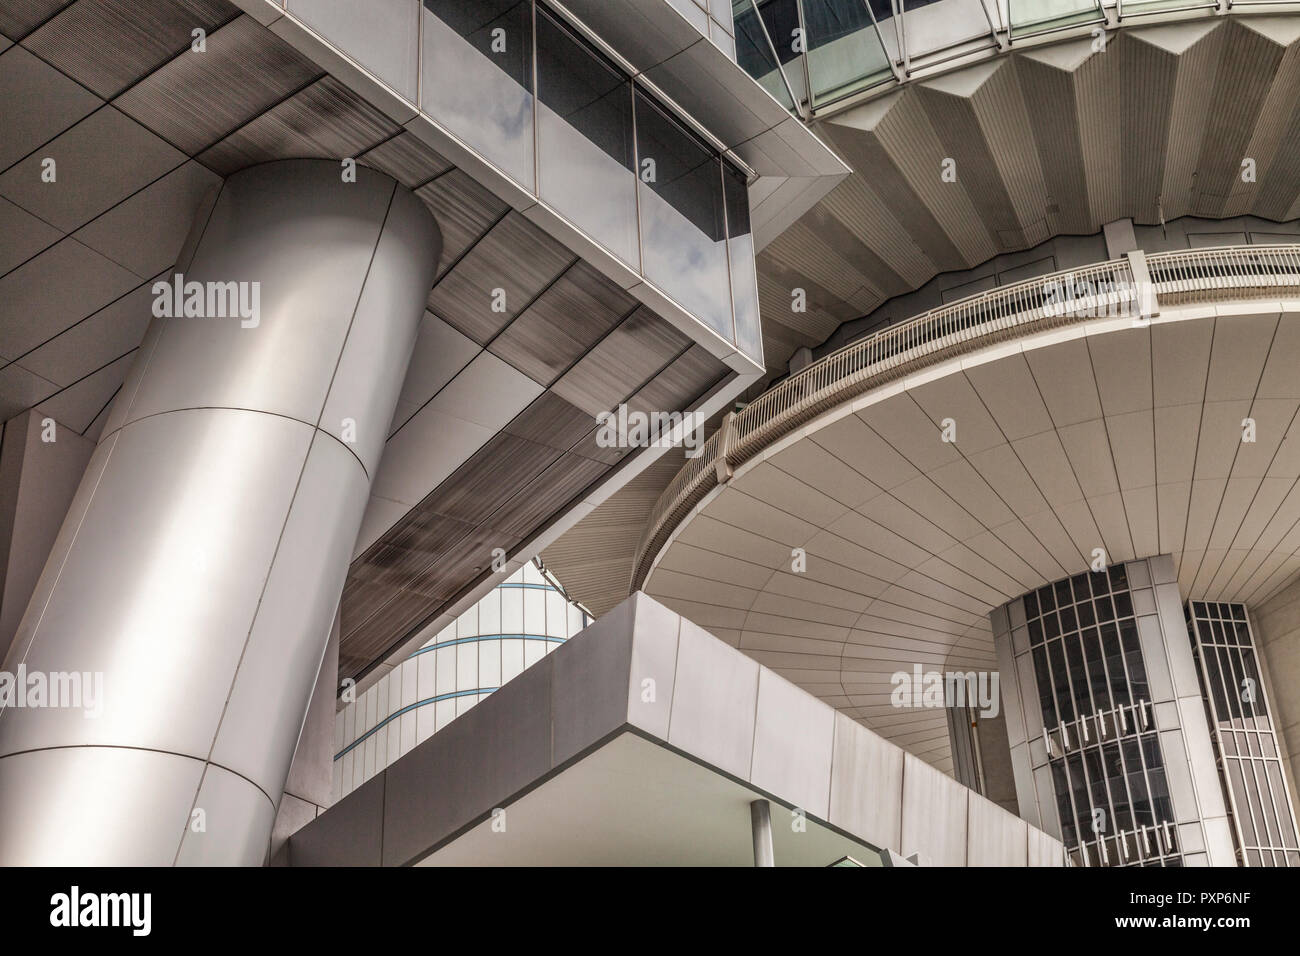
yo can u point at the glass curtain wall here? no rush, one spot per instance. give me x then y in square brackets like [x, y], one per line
[1107, 771]
[515, 83]
[1259, 799]
[826, 48]
[513, 627]
[1040, 16]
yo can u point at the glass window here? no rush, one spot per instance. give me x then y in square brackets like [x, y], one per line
[1137, 786]
[744, 278]
[489, 612]
[1051, 625]
[1250, 672]
[1217, 683]
[1115, 779]
[1045, 599]
[929, 25]
[512, 610]
[1115, 665]
[781, 18]
[755, 55]
[1064, 699]
[1233, 686]
[557, 615]
[1044, 680]
[1274, 769]
[1079, 785]
[1078, 676]
[683, 227]
[1037, 16]
[1123, 604]
[1062, 787]
[844, 51]
[1266, 804]
[1133, 658]
[467, 666]
[1097, 787]
[1087, 617]
[534, 611]
[1244, 818]
[477, 78]
[587, 158]
[1096, 670]
[1156, 775]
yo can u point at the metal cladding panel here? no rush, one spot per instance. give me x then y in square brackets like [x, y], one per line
[920, 153]
[107, 45]
[635, 350]
[467, 296]
[19, 17]
[465, 212]
[562, 324]
[325, 120]
[1249, 66]
[197, 98]
[550, 420]
[407, 159]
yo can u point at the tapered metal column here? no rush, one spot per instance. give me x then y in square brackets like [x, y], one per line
[760, 819]
[201, 562]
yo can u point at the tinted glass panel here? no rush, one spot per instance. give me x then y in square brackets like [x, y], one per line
[781, 17]
[755, 54]
[1062, 788]
[1064, 699]
[744, 278]
[585, 141]
[477, 77]
[683, 229]
[844, 51]
[1043, 678]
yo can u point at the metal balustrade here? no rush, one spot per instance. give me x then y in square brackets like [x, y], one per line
[1107, 289]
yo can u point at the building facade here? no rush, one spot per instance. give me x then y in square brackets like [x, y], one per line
[831, 352]
[511, 628]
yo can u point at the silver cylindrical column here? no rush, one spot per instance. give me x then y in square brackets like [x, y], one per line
[201, 562]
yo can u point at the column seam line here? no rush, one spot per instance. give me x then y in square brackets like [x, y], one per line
[302, 470]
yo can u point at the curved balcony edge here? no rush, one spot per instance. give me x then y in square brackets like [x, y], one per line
[1135, 286]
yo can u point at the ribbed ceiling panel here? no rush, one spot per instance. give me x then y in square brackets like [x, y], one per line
[1059, 139]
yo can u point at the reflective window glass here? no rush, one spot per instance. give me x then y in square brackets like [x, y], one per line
[1034, 16]
[1160, 804]
[930, 25]
[1069, 833]
[683, 228]
[1137, 672]
[1043, 678]
[587, 157]
[1115, 665]
[781, 18]
[1078, 676]
[1137, 786]
[477, 78]
[1060, 681]
[1096, 670]
[755, 55]
[1116, 780]
[844, 51]
[744, 277]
